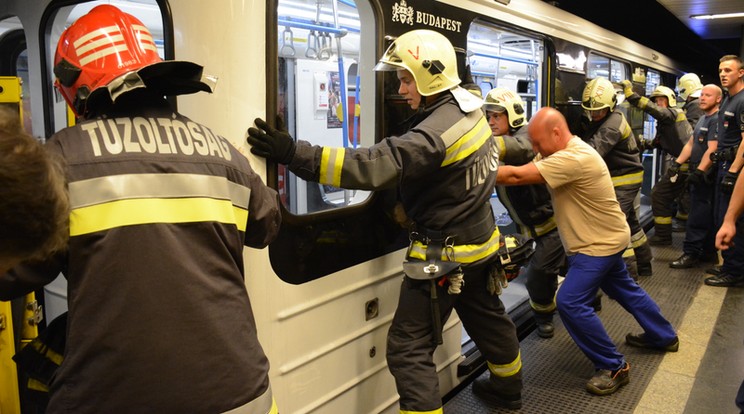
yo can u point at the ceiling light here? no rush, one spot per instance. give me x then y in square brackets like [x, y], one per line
[716, 16]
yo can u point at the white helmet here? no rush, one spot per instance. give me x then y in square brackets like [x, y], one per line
[666, 92]
[428, 55]
[599, 94]
[689, 85]
[502, 99]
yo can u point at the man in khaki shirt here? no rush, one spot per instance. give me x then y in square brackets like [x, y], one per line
[595, 234]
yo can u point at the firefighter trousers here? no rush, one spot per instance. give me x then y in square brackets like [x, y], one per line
[662, 202]
[640, 249]
[410, 344]
[587, 274]
[546, 263]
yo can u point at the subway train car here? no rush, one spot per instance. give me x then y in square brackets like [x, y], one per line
[325, 291]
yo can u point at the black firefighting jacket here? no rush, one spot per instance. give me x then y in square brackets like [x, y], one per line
[614, 140]
[672, 128]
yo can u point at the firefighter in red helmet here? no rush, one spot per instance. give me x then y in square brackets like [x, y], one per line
[148, 318]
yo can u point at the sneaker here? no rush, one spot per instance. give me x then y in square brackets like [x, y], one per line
[605, 382]
[639, 341]
[725, 280]
[485, 390]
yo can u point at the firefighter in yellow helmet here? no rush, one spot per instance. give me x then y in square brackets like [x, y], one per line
[528, 205]
[689, 88]
[444, 168]
[672, 133]
[610, 134]
[148, 318]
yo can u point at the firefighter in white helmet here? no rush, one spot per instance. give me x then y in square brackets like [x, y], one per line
[672, 133]
[689, 88]
[610, 134]
[528, 205]
[148, 318]
[444, 168]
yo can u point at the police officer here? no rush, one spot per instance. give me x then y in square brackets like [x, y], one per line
[730, 158]
[149, 318]
[528, 205]
[610, 134]
[699, 235]
[445, 169]
[672, 132]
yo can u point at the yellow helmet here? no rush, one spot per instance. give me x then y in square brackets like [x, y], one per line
[599, 94]
[502, 99]
[428, 55]
[666, 92]
[689, 85]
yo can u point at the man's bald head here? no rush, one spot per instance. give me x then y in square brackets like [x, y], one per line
[549, 131]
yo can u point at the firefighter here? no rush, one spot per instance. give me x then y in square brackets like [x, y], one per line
[672, 132]
[528, 205]
[688, 90]
[699, 235]
[161, 208]
[444, 168]
[610, 134]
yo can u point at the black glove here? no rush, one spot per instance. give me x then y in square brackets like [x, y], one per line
[673, 171]
[728, 181]
[699, 177]
[271, 143]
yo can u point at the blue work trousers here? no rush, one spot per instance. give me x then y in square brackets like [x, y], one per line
[587, 274]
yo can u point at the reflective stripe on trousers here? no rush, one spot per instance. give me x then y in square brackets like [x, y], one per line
[264, 404]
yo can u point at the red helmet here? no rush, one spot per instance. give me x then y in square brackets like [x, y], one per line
[108, 50]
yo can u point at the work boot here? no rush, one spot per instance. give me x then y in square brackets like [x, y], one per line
[662, 235]
[605, 382]
[685, 261]
[644, 269]
[544, 323]
[484, 389]
[640, 341]
[725, 280]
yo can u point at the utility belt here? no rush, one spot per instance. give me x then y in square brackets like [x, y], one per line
[728, 154]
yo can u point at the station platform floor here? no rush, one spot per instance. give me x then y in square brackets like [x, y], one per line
[702, 377]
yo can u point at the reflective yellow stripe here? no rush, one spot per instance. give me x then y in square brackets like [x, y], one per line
[437, 411]
[130, 186]
[625, 128]
[47, 352]
[506, 370]
[36, 385]
[638, 239]
[681, 117]
[331, 162]
[543, 308]
[464, 253]
[628, 179]
[468, 143]
[663, 220]
[545, 227]
[629, 252]
[501, 145]
[122, 213]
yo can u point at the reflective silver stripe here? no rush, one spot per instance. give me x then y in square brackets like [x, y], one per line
[462, 127]
[134, 186]
[264, 404]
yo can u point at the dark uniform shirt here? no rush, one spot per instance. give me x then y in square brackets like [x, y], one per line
[731, 121]
[705, 131]
[159, 318]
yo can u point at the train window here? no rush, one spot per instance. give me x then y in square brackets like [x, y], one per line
[323, 73]
[606, 67]
[14, 79]
[502, 58]
[148, 11]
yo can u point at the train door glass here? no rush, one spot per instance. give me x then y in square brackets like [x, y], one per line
[323, 73]
[14, 63]
[147, 11]
[502, 58]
